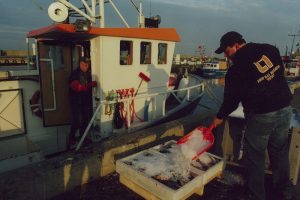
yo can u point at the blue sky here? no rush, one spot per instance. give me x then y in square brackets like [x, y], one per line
[199, 22]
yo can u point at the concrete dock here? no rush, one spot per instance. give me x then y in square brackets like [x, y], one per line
[75, 171]
[64, 172]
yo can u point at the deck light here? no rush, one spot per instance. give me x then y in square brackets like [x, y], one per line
[82, 25]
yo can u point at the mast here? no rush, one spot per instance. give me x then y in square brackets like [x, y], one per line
[293, 35]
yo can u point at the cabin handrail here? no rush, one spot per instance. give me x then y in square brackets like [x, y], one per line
[52, 82]
[105, 102]
[152, 94]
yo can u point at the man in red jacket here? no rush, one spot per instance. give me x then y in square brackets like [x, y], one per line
[80, 92]
[256, 79]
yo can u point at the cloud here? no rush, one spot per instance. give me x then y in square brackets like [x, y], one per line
[214, 5]
[197, 21]
[272, 7]
[13, 29]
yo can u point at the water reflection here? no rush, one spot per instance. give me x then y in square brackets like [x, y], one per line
[213, 95]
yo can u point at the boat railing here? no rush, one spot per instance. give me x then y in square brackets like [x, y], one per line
[191, 93]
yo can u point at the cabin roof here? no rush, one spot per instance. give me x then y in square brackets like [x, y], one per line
[68, 32]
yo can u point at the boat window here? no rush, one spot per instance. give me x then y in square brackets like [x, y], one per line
[54, 52]
[162, 53]
[145, 54]
[125, 52]
[76, 54]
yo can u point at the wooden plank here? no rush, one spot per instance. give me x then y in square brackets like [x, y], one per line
[154, 187]
[199, 191]
[150, 196]
[213, 172]
[294, 155]
[144, 181]
[150, 188]
[137, 189]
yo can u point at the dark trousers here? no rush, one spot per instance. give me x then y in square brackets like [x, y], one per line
[267, 131]
[81, 115]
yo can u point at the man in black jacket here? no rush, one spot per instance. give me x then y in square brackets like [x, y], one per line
[256, 79]
[80, 93]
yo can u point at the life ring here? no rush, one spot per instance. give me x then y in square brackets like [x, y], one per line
[35, 105]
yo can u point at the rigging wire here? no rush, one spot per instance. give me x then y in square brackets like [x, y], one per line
[134, 5]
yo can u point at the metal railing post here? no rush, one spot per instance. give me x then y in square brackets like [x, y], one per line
[88, 128]
[128, 112]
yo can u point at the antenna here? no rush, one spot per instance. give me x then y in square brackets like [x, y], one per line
[293, 35]
[150, 8]
[135, 6]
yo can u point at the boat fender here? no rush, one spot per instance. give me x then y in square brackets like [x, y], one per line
[109, 107]
[34, 103]
[118, 120]
[182, 84]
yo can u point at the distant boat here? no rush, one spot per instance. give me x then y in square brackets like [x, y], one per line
[292, 69]
[214, 69]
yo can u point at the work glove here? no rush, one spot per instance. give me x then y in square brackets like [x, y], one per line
[77, 87]
[217, 121]
[92, 84]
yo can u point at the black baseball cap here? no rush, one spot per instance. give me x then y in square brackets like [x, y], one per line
[228, 39]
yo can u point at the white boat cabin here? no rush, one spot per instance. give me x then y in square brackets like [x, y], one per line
[118, 57]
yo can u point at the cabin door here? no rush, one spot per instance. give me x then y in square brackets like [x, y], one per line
[55, 64]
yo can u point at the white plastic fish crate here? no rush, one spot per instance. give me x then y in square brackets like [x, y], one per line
[150, 188]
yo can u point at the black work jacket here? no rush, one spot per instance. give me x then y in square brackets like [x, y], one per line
[256, 79]
[83, 98]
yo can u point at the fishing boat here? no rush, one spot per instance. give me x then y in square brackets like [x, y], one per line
[292, 69]
[130, 65]
[214, 69]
